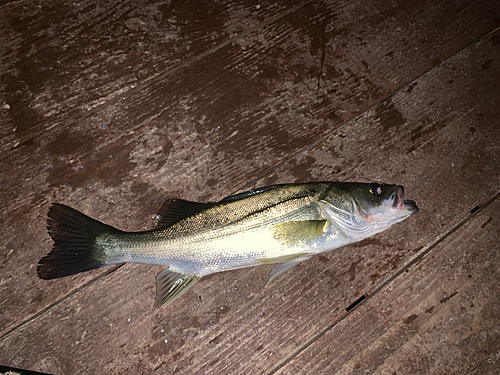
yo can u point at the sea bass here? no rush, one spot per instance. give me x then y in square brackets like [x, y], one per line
[284, 224]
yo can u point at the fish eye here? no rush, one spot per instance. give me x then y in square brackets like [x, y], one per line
[376, 190]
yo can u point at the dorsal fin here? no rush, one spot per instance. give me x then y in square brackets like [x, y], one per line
[249, 193]
[174, 210]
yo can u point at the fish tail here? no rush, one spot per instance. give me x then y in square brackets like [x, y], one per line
[75, 247]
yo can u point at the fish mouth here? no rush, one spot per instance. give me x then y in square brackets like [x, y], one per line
[399, 197]
[411, 206]
[401, 203]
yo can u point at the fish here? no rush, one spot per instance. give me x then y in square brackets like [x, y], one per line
[283, 224]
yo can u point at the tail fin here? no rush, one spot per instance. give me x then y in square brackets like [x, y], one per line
[75, 249]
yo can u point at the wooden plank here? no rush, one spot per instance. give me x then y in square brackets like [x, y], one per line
[226, 323]
[100, 90]
[61, 58]
[54, 161]
[191, 134]
[433, 168]
[441, 316]
[135, 159]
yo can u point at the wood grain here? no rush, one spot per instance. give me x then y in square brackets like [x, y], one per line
[112, 109]
[61, 59]
[256, 317]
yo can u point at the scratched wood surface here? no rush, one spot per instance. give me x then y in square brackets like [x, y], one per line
[114, 106]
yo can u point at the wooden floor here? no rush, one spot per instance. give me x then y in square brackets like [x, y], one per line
[113, 106]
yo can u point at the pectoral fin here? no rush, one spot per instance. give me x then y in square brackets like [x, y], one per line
[283, 267]
[170, 285]
[293, 232]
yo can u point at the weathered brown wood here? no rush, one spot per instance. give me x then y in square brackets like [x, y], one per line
[441, 316]
[48, 157]
[287, 310]
[60, 58]
[116, 157]
[190, 135]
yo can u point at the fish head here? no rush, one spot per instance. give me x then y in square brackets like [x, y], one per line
[364, 209]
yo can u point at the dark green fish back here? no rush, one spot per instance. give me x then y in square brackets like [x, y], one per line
[237, 208]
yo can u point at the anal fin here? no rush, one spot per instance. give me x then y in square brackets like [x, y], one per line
[171, 285]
